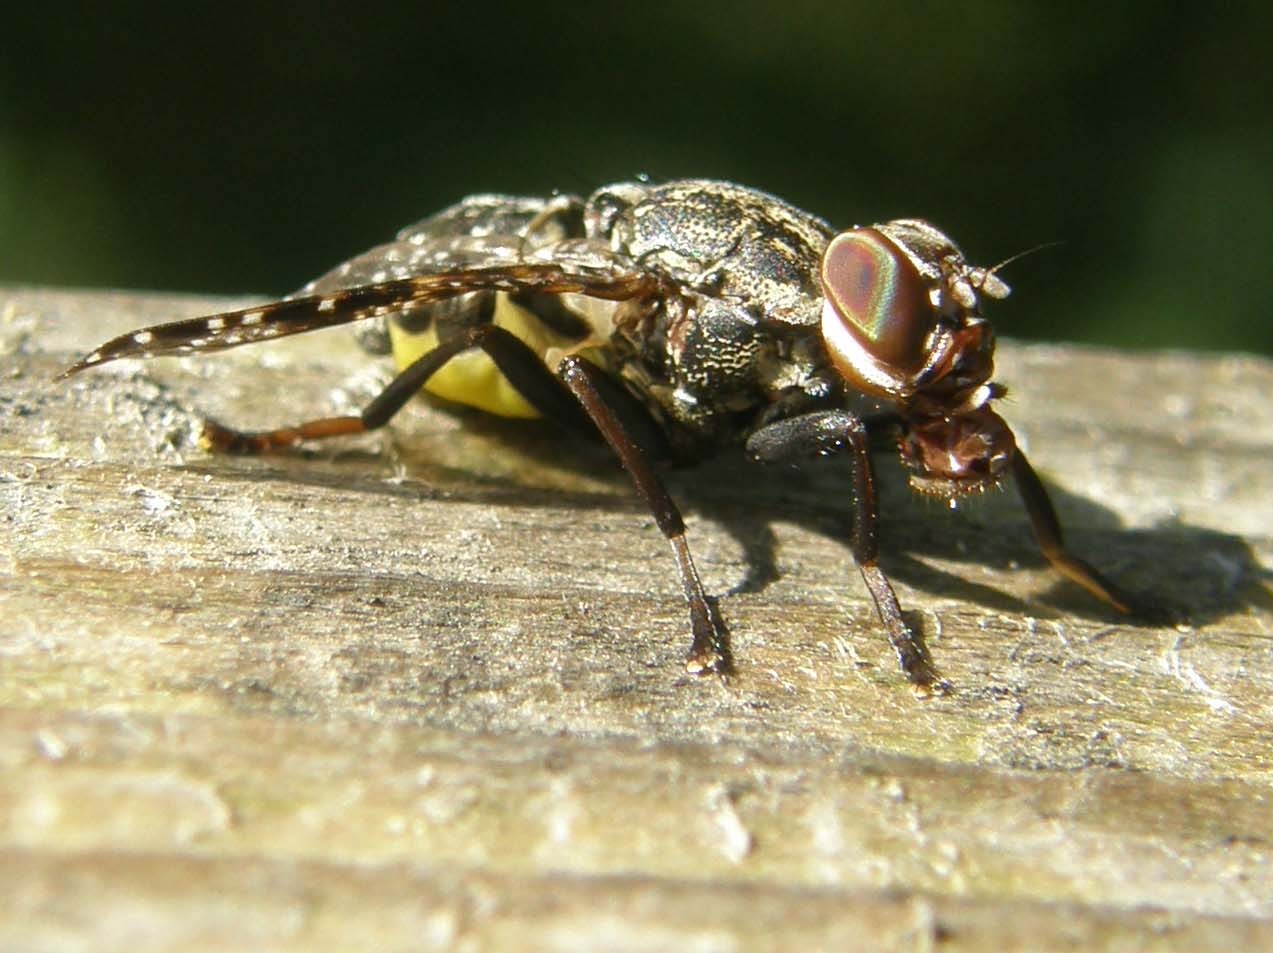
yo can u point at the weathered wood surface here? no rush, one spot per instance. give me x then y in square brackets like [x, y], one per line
[425, 690]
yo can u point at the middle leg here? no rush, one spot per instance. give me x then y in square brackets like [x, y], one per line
[709, 650]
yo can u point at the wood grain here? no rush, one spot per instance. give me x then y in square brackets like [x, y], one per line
[425, 689]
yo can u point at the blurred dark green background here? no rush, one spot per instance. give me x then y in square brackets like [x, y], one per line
[150, 146]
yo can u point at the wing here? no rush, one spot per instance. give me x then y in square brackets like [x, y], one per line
[572, 266]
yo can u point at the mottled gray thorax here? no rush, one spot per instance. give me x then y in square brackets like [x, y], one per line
[741, 339]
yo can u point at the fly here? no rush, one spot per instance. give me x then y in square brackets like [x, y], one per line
[675, 320]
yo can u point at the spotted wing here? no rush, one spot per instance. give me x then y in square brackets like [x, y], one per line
[572, 266]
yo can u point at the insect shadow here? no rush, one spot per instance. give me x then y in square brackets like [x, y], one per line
[1197, 574]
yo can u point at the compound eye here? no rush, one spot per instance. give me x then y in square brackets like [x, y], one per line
[879, 311]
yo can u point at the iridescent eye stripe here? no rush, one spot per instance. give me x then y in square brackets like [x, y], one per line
[864, 277]
[877, 317]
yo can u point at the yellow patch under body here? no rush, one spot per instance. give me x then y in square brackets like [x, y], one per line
[471, 378]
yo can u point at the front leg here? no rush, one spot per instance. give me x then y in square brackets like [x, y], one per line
[831, 431]
[1047, 533]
